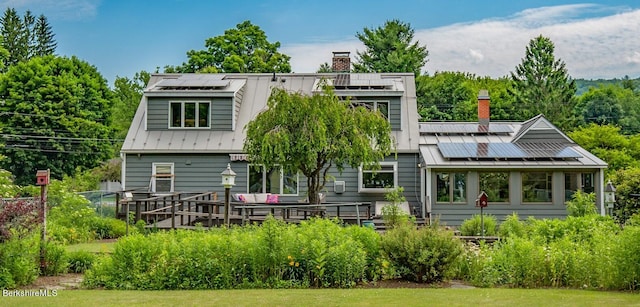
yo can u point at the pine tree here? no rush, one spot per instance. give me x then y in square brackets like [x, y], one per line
[542, 85]
[11, 32]
[44, 38]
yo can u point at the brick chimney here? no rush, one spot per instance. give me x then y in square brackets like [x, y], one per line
[341, 61]
[483, 108]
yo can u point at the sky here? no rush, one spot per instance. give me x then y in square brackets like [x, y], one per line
[596, 39]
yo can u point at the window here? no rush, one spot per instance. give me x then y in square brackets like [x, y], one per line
[162, 178]
[536, 187]
[496, 185]
[382, 106]
[377, 180]
[577, 181]
[451, 188]
[273, 181]
[189, 114]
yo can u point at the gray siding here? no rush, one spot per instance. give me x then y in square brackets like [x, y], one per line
[455, 214]
[199, 173]
[545, 135]
[221, 112]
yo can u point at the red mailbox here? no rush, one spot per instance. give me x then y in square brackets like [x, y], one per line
[483, 200]
[42, 177]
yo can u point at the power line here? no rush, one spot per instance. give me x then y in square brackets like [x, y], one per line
[60, 138]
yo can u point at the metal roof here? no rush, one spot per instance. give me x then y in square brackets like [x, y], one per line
[252, 92]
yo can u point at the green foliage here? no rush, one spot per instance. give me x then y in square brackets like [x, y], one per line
[390, 48]
[608, 144]
[541, 85]
[55, 114]
[473, 226]
[7, 188]
[310, 134]
[24, 38]
[243, 49]
[80, 261]
[56, 259]
[318, 252]
[19, 263]
[627, 182]
[582, 204]
[392, 215]
[427, 254]
[126, 97]
[512, 227]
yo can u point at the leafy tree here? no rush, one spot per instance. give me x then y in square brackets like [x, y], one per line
[606, 143]
[390, 48]
[541, 84]
[243, 49]
[600, 106]
[310, 134]
[324, 68]
[627, 182]
[127, 94]
[55, 115]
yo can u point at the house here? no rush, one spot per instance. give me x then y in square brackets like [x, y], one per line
[528, 167]
[188, 127]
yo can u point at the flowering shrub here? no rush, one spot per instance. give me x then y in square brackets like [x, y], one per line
[18, 218]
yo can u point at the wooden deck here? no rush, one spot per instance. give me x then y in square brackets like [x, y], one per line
[186, 210]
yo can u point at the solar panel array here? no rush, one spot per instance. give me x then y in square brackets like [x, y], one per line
[188, 82]
[507, 150]
[464, 128]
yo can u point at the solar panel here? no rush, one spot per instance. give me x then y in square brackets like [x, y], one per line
[194, 81]
[507, 150]
[342, 80]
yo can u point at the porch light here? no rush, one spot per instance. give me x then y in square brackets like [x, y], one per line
[609, 196]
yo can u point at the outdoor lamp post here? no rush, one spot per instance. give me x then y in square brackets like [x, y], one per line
[610, 196]
[228, 180]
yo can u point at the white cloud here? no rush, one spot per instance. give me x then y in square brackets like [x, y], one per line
[56, 9]
[592, 47]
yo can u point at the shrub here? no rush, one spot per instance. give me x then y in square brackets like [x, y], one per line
[55, 259]
[80, 261]
[17, 218]
[392, 215]
[582, 204]
[473, 226]
[421, 255]
[19, 263]
[108, 228]
[512, 227]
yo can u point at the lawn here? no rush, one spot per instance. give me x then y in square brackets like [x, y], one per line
[105, 246]
[334, 297]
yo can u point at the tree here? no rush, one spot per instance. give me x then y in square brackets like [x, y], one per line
[45, 44]
[55, 115]
[541, 84]
[243, 49]
[608, 144]
[310, 134]
[127, 94]
[324, 68]
[600, 106]
[390, 49]
[25, 38]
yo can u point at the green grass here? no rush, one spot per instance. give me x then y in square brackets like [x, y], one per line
[93, 247]
[334, 297]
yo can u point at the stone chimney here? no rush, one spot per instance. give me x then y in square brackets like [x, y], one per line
[483, 108]
[341, 61]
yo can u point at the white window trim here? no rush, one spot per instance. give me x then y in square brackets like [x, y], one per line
[153, 175]
[182, 103]
[362, 189]
[264, 179]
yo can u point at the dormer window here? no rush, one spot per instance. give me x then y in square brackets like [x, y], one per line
[189, 114]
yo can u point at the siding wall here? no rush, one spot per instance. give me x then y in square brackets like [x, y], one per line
[199, 173]
[221, 112]
[455, 214]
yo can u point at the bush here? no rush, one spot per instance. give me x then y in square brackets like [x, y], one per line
[80, 261]
[582, 204]
[421, 255]
[55, 259]
[108, 228]
[19, 263]
[512, 227]
[473, 226]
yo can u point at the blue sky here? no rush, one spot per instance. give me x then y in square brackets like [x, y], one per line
[596, 39]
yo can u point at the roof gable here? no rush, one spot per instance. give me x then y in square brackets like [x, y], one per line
[540, 129]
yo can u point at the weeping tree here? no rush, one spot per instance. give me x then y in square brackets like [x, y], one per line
[311, 134]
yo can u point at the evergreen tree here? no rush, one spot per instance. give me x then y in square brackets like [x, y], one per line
[12, 36]
[44, 38]
[541, 84]
[390, 49]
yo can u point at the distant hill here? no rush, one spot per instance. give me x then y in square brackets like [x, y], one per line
[584, 85]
